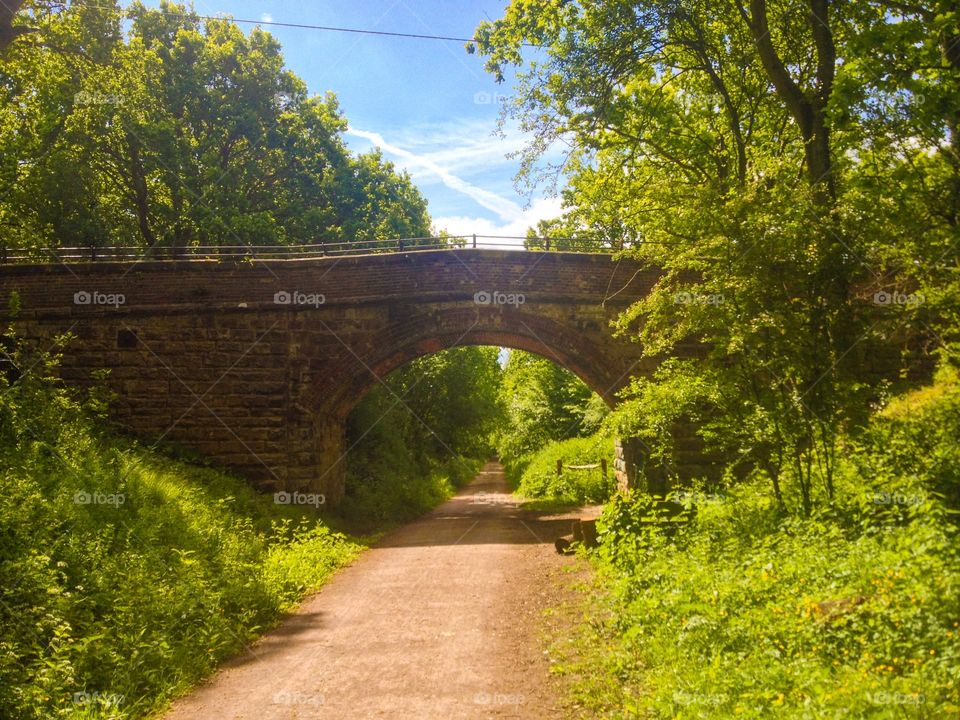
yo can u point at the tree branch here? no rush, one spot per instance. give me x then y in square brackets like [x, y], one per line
[787, 89]
[8, 31]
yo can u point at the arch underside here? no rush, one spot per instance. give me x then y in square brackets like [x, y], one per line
[588, 355]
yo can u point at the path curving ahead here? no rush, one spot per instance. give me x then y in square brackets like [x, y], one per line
[441, 619]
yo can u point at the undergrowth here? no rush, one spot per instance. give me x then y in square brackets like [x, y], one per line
[125, 575]
[747, 611]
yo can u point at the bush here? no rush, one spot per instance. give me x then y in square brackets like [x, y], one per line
[126, 576]
[383, 490]
[751, 612]
[536, 476]
[911, 446]
[542, 402]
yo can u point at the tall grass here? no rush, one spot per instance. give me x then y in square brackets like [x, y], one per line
[126, 576]
[749, 612]
[535, 475]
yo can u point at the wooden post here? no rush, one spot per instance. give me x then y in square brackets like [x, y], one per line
[474, 241]
[603, 468]
[559, 468]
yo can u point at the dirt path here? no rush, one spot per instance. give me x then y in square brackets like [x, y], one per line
[441, 619]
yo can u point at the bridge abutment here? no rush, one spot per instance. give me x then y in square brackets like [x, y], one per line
[684, 460]
[331, 468]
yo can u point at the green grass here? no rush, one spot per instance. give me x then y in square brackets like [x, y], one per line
[750, 613]
[127, 576]
[550, 505]
[381, 495]
[535, 476]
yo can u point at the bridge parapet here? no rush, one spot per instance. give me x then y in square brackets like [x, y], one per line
[113, 253]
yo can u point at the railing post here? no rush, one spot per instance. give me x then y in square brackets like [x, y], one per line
[547, 244]
[559, 467]
[603, 468]
[474, 241]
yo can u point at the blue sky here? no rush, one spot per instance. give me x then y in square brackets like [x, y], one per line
[427, 104]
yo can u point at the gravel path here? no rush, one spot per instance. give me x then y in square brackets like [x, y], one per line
[441, 619]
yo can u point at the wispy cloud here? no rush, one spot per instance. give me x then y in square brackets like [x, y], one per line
[542, 209]
[503, 207]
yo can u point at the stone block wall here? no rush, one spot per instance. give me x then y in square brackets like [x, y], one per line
[203, 355]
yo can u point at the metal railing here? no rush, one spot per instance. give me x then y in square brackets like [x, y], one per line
[295, 252]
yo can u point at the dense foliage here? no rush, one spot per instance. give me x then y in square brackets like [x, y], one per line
[126, 576]
[543, 402]
[793, 167]
[172, 132]
[747, 612]
[551, 416]
[421, 434]
[582, 479]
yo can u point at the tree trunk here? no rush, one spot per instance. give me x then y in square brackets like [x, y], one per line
[140, 192]
[808, 109]
[8, 31]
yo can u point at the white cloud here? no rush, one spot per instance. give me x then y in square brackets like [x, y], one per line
[466, 157]
[467, 146]
[542, 209]
[504, 208]
[266, 17]
[464, 147]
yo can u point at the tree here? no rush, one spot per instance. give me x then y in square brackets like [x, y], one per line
[8, 31]
[732, 145]
[180, 133]
[543, 402]
[429, 422]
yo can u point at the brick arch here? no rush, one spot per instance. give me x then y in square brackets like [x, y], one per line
[360, 368]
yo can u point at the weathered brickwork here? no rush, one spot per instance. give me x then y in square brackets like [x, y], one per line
[207, 354]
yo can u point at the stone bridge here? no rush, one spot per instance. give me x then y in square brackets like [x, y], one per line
[256, 364]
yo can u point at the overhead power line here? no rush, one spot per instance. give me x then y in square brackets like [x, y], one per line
[307, 26]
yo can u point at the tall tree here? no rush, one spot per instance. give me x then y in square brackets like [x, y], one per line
[180, 133]
[740, 147]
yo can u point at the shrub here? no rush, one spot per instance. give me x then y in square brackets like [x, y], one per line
[538, 477]
[126, 576]
[748, 611]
